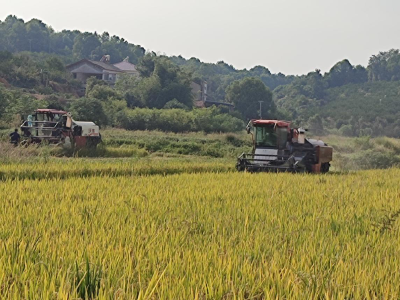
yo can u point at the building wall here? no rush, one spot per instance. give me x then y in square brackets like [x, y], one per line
[199, 92]
[196, 91]
[109, 77]
[83, 76]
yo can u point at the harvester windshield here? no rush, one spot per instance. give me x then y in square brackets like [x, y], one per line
[271, 136]
[265, 136]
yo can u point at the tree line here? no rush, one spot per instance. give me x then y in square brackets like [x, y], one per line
[348, 100]
[33, 58]
[16, 35]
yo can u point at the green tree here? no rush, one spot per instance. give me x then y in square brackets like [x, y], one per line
[14, 103]
[53, 63]
[55, 68]
[163, 82]
[146, 65]
[38, 35]
[15, 38]
[5, 99]
[86, 46]
[315, 125]
[148, 91]
[103, 93]
[344, 73]
[245, 94]
[63, 42]
[385, 66]
[87, 109]
[6, 64]
[126, 85]
[91, 83]
[175, 104]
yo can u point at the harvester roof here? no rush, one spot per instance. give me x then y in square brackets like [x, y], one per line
[49, 110]
[84, 123]
[271, 122]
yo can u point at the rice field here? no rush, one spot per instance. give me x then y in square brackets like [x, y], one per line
[197, 231]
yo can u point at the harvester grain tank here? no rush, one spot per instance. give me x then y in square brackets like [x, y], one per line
[58, 127]
[278, 147]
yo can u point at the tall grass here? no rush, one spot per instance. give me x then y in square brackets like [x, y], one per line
[198, 236]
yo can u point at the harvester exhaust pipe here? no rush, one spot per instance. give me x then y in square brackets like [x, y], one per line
[302, 135]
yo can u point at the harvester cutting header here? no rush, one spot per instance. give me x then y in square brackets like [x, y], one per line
[278, 147]
[58, 127]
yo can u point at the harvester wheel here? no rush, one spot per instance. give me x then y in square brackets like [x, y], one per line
[325, 167]
[92, 142]
[240, 166]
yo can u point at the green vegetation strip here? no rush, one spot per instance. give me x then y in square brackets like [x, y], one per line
[66, 168]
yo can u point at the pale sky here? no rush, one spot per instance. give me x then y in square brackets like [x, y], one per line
[288, 36]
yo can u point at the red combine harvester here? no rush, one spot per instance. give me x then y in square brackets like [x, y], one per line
[277, 147]
[58, 127]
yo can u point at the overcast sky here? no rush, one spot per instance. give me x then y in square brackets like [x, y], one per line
[288, 36]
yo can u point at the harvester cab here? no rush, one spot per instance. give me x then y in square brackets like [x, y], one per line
[58, 127]
[278, 147]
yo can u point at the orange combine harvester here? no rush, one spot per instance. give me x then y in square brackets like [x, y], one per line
[278, 147]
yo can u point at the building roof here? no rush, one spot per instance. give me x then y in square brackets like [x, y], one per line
[126, 66]
[105, 66]
[49, 110]
[100, 64]
[84, 123]
[274, 122]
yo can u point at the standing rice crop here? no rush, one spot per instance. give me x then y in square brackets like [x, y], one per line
[207, 235]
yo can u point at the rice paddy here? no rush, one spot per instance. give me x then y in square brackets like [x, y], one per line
[177, 229]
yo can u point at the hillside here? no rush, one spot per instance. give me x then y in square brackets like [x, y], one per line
[370, 108]
[348, 100]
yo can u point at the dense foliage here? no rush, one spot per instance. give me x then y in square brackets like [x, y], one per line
[35, 36]
[179, 120]
[162, 82]
[220, 75]
[350, 100]
[25, 87]
[247, 94]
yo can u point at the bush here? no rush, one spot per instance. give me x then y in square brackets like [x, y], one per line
[363, 143]
[346, 130]
[86, 109]
[178, 120]
[388, 144]
[234, 141]
[175, 104]
[375, 160]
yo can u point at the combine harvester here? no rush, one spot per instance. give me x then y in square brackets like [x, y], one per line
[57, 127]
[277, 147]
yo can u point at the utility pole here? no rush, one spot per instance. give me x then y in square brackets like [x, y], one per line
[261, 102]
